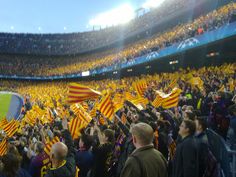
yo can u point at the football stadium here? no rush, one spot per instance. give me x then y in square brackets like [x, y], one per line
[129, 88]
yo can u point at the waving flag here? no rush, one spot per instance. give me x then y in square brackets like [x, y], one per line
[3, 122]
[81, 113]
[172, 99]
[79, 93]
[75, 126]
[11, 128]
[48, 146]
[158, 101]
[3, 147]
[106, 107]
[140, 87]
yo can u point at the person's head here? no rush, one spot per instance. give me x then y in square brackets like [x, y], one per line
[108, 136]
[187, 128]
[85, 141]
[58, 153]
[201, 124]
[188, 115]
[38, 147]
[10, 164]
[142, 134]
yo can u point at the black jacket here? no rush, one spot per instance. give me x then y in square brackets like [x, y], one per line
[185, 163]
[68, 168]
[202, 144]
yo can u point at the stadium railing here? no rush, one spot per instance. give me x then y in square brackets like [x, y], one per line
[224, 155]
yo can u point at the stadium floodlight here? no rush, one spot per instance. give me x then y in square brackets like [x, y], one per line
[119, 15]
[152, 3]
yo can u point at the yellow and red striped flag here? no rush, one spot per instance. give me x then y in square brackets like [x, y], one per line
[139, 100]
[172, 99]
[3, 122]
[118, 102]
[48, 146]
[47, 117]
[79, 93]
[106, 106]
[81, 113]
[11, 128]
[3, 147]
[85, 106]
[173, 83]
[75, 125]
[93, 111]
[140, 87]
[158, 101]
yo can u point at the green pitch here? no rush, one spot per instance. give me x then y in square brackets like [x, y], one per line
[5, 100]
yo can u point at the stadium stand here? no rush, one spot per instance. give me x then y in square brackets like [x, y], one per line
[177, 121]
[32, 65]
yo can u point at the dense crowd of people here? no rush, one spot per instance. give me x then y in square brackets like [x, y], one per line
[77, 42]
[147, 141]
[48, 66]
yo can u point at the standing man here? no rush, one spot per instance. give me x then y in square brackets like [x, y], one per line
[145, 161]
[63, 156]
[185, 163]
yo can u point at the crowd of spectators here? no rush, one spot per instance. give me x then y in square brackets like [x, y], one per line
[61, 44]
[142, 145]
[48, 66]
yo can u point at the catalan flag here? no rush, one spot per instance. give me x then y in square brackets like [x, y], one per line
[93, 111]
[3, 122]
[196, 81]
[48, 116]
[173, 83]
[172, 99]
[11, 128]
[79, 93]
[85, 106]
[75, 125]
[118, 102]
[3, 147]
[81, 113]
[140, 87]
[158, 101]
[48, 146]
[139, 101]
[106, 106]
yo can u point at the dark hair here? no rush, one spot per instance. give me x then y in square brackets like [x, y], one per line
[39, 147]
[110, 135]
[11, 164]
[202, 121]
[87, 140]
[191, 115]
[190, 125]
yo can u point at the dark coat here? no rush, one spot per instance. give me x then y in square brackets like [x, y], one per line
[20, 173]
[185, 163]
[68, 168]
[145, 162]
[202, 145]
[84, 160]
